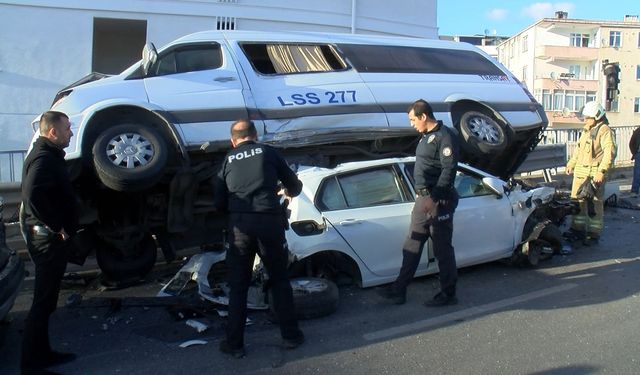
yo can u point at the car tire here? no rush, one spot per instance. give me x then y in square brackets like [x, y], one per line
[313, 297]
[119, 266]
[482, 134]
[130, 157]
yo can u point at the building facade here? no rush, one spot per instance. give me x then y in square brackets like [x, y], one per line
[46, 45]
[562, 61]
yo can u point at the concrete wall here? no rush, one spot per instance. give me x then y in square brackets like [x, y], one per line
[47, 44]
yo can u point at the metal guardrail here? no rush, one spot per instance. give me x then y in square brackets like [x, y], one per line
[11, 165]
[544, 157]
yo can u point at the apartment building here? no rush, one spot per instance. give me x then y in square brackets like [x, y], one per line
[562, 61]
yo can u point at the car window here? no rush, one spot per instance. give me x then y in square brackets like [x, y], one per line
[466, 184]
[469, 186]
[402, 59]
[371, 187]
[281, 58]
[331, 197]
[188, 59]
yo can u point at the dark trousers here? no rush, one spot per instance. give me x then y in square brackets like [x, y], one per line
[439, 228]
[49, 257]
[251, 233]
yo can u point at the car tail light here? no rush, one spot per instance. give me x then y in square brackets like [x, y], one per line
[307, 228]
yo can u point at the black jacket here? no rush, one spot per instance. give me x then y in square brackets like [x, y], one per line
[248, 179]
[437, 162]
[47, 195]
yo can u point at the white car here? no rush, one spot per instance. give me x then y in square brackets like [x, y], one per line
[354, 218]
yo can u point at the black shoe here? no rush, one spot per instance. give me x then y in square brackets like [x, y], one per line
[54, 358]
[292, 343]
[573, 235]
[441, 299]
[227, 349]
[391, 293]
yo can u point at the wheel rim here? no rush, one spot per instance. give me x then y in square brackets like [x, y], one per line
[485, 129]
[130, 150]
[309, 286]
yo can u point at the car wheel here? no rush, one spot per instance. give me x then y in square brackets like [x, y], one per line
[482, 134]
[313, 297]
[123, 264]
[130, 157]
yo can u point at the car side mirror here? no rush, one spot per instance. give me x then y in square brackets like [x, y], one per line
[149, 57]
[495, 185]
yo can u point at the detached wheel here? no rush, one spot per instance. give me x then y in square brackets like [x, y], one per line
[313, 297]
[123, 264]
[130, 157]
[482, 134]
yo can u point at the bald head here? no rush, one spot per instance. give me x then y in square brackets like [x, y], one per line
[243, 130]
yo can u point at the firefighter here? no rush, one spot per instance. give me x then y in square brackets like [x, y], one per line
[592, 159]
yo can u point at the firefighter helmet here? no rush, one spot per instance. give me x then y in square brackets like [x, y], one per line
[594, 110]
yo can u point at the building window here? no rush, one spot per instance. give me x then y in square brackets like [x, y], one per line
[637, 71]
[525, 43]
[575, 70]
[524, 73]
[614, 39]
[636, 105]
[546, 100]
[638, 40]
[579, 40]
[116, 44]
[614, 106]
[226, 23]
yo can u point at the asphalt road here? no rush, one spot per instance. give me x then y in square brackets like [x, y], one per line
[575, 314]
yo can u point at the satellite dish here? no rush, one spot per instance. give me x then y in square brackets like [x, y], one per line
[553, 76]
[566, 112]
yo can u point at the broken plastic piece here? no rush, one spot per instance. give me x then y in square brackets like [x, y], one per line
[189, 343]
[198, 325]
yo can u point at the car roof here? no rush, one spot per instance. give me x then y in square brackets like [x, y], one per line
[315, 37]
[313, 176]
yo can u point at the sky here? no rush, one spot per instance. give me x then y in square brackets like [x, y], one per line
[508, 17]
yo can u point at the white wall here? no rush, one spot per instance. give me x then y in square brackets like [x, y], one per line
[47, 44]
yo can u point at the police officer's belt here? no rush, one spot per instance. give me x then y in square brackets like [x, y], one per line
[423, 192]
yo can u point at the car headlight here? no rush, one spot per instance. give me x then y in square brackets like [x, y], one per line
[307, 228]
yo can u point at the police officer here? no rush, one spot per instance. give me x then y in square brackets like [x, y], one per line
[436, 200]
[592, 158]
[247, 187]
[48, 218]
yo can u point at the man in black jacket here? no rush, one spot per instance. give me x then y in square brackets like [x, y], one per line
[436, 200]
[247, 187]
[49, 217]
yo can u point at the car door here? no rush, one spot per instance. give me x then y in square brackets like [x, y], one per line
[371, 209]
[301, 86]
[199, 86]
[483, 223]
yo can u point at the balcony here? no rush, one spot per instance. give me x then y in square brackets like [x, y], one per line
[566, 84]
[566, 53]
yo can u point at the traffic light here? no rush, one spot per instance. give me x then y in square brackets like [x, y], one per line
[611, 72]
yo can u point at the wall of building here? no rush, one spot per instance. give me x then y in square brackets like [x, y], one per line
[47, 44]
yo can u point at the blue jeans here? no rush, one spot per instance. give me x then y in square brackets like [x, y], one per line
[635, 185]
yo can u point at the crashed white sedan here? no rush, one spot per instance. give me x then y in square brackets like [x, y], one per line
[350, 223]
[352, 220]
